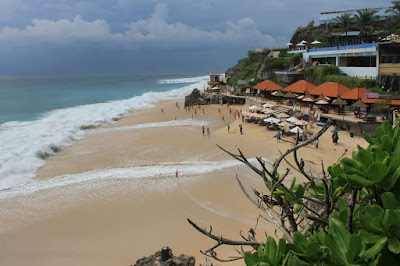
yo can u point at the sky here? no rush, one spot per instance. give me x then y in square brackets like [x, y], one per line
[72, 36]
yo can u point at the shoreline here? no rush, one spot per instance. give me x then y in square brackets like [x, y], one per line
[102, 222]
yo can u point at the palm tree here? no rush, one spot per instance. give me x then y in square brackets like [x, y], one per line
[344, 21]
[395, 8]
[366, 20]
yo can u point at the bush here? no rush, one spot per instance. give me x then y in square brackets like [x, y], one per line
[364, 226]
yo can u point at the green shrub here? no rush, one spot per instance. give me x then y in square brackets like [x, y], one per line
[364, 228]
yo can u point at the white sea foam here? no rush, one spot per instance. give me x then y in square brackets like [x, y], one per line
[160, 171]
[25, 145]
[173, 123]
[181, 80]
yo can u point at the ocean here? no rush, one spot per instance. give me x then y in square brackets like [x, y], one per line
[41, 115]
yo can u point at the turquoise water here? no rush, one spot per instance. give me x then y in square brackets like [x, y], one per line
[42, 115]
[25, 98]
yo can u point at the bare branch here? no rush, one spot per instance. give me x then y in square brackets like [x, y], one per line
[268, 212]
[224, 241]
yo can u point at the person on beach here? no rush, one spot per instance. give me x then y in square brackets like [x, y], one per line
[195, 111]
[223, 118]
[229, 128]
[278, 136]
[335, 137]
[316, 143]
[162, 110]
[208, 131]
[241, 129]
[301, 163]
[219, 110]
[203, 129]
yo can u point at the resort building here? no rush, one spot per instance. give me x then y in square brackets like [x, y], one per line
[361, 60]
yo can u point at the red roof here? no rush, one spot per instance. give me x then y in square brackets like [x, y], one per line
[301, 86]
[355, 94]
[268, 85]
[330, 89]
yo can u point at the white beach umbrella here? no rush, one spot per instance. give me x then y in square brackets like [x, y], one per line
[267, 105]
[292, 119]
[272, 120]
[283, 115]
[302, 123]
[267, 111]
[300, 44]
[322, 102]
[253, 107]
[296, 129]
[303, 42]
[289, 44]
[316, 42]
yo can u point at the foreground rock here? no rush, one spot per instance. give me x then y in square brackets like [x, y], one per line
[164, 257]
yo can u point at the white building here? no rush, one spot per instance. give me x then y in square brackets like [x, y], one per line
[361, 60]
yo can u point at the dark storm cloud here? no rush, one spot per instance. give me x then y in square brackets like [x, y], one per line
[88, 35]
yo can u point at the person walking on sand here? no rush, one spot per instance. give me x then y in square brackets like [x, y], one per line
[223, 118]
[278, 136]
[316, 143]
[162, 110]
[241, 129]
[229, 128]
[301, 163]
[208, 131]
[219, 110]
[202, 128]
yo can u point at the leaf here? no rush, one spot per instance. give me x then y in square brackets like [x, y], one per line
[299, 191]
[391, 180]
[378, 153]
[375, 249]
[395, 158]
[368, 238]
[340, 236]
[354, 248]
[379, 133]
[394, 245]
[335, 170]
[293, 183]
[250, 258]
[357, 181]
[300, 242]
[377, 171]
[342, 204]
[389, 200]
[369, 139]
[387, 143]
[387, 128]
[365, 157]
[271, 249]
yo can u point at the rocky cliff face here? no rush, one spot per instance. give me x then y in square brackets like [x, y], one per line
[309, 35]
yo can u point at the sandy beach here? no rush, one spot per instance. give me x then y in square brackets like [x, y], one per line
[113, 196]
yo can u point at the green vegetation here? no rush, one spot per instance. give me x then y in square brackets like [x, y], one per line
[360, 224]
[319, 75]
[247, 71]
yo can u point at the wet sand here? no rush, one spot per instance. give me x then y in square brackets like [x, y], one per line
[115, 220]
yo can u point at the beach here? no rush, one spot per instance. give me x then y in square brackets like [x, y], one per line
[125, 190]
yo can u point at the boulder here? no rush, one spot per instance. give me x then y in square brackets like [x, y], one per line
[164, 257]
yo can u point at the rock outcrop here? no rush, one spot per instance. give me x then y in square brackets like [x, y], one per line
[164, 257]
